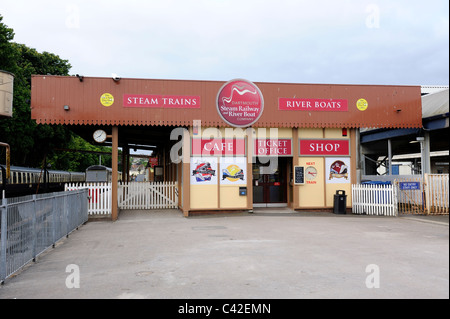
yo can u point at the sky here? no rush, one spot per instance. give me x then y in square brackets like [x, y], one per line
[289, 41]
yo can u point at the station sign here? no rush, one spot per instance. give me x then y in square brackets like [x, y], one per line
[240, 103]
[324, 147]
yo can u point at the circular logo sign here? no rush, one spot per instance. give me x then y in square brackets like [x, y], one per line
[240, 103]
[107, 99]
[361, 104]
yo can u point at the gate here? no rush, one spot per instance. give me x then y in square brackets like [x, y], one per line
[99, 197]
[148, 195]
[430, 197]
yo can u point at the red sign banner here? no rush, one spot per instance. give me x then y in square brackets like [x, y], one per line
[273, 147]
[324, 147]
[240, 103]
[165, 101]
[330, 105]
[218, 147]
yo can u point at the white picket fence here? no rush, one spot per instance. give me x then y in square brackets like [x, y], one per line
[148, 195]
[99, 196]
[374, 200]
[134, 195]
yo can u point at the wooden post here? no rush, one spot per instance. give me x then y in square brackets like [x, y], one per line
[115, 173]
[186, 171]
[250, 141]
[295, 150]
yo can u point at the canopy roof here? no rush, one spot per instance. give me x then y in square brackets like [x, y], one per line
[72, 100]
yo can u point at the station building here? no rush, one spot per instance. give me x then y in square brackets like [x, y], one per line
[232, 145]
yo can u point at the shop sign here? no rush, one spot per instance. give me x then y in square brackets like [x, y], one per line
[240, 103]
[324, 147]
[218, 147]
[273, 147]
[161, 101]
[330, 105]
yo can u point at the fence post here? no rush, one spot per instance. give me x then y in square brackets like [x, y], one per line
[3, 238]
[34, 226]
[54, 222]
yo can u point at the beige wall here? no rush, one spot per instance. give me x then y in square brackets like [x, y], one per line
[314, 194]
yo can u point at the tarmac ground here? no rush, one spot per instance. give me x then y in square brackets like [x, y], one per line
[267, 254]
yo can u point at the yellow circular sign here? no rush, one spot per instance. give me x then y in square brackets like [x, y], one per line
[233, 170]
[107, 99]
[361, 104]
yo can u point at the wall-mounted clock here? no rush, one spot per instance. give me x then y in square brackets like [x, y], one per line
[310, 173]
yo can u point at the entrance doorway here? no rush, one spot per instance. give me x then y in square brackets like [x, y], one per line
[270, 182]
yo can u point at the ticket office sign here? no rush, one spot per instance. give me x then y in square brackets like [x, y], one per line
[273, 147]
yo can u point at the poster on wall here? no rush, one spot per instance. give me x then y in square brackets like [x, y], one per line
[337, 170]
[233, 171]
[204, 171]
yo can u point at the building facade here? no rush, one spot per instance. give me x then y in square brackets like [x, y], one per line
[232, 145]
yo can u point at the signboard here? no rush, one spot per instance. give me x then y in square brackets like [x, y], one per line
[299, 175]
[337, 170]
[204, 171]
[153, 161]
[218, 147]
[239, 103]
[233, 171]
[409, 186]
[330, 105]
[161, 101]
[273, 147]
[324, 147]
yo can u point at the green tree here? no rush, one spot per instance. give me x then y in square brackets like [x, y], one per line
[30, 142]
[79, 161]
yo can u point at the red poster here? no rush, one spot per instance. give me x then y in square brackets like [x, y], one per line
[165, 101]
[330, 105]
[218, 147]
[324, 147]
[273, 147]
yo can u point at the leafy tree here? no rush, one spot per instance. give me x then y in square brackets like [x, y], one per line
[31, 142]
[79, 161]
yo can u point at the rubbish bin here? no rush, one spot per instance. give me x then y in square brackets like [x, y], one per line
[340, 202]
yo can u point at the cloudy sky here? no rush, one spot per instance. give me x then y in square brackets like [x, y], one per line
[349, 42]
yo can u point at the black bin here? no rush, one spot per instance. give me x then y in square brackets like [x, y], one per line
[340, 202]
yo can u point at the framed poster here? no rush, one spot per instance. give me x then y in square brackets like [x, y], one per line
[203, 170]
[337, 170]
[233, 171]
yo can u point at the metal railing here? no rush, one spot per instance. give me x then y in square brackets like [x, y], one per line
[31, 224]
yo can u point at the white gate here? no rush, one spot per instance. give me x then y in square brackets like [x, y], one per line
[99, 196]
[148, 195]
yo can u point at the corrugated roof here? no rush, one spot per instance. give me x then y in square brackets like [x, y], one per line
[388, 106]
[434, 104]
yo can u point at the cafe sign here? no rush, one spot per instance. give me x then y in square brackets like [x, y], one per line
[239, 103]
